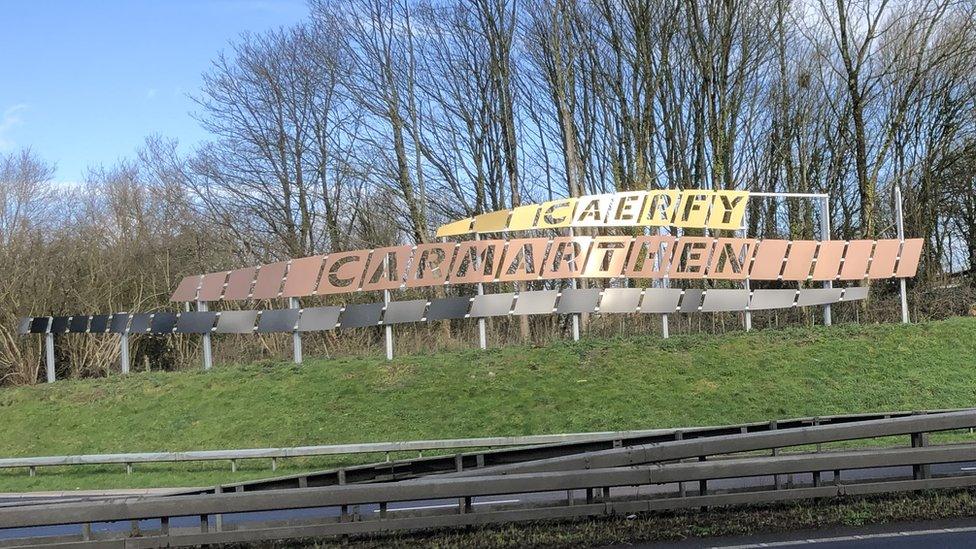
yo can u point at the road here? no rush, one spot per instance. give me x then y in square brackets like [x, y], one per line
[827, 477]
[898, 535]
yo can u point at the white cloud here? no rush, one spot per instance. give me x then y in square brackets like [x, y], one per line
[9, 120]
[151, 93]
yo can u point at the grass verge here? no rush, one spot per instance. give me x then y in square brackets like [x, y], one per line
[611, 384]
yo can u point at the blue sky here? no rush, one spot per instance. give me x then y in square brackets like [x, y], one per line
[83, 82]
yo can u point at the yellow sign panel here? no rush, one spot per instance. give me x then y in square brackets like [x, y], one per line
[697, 208]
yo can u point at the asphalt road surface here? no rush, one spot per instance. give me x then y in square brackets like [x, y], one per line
[899, 535]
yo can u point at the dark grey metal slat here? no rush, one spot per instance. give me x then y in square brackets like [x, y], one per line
[119, 323]
[277, 321]
[98, 324]
[78, 324]
[195, 322]
[162, 323]
[361, 316]
[448, 308]
[59, 325]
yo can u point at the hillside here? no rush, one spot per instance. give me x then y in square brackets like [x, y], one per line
[627, 383]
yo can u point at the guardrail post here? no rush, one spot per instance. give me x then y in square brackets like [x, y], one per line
[920, 440]
[702, 484]
[274, 464]
[680, 435]
[49, 354]
[218, 518]
[777, 483]
[164, 526]
[86, 533]
[128, 468]
[296, 336]
[204, 524]
[32, 471]
[207, 350]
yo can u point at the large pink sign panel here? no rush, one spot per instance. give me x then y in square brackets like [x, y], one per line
[528, 259]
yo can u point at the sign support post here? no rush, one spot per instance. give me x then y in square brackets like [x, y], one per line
[661, 250]
[482, 334]
[124, 353]
[572, 284]
[900, 223]
[49, 352]
[825, 235]
[296, 336]
[207, 350]
[388, 330]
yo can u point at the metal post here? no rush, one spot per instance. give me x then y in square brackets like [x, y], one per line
[664, 284]
[388, 329]
[900, 223]
[296, 336]
[825, 235]
[124, 353]
[49, 352]
[482, 334]
[748, 315]
[572, 284]
[207, 350]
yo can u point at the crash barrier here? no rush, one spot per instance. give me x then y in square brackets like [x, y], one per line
[535, 445]
[496, 459]
[274, 454]
[586, 491]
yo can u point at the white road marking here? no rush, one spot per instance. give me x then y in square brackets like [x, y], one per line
[967, 468]
[447, 505]
[849, 538]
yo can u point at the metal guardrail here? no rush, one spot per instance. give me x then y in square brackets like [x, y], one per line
[211, 511]
[325, 450]
[542, 446]
[389, 471]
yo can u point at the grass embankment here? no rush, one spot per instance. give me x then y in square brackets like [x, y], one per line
[626, 383]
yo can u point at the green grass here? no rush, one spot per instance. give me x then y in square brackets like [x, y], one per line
[625, 383]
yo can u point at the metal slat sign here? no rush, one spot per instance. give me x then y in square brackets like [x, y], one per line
[598, 237]
[699, 209]
[574, 257]
[600, 257]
